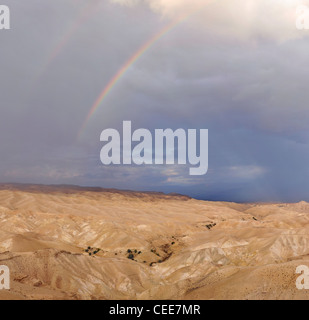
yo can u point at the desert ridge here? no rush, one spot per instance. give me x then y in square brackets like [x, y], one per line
[67, 242]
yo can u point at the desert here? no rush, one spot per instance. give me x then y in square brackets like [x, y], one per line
[67, 242]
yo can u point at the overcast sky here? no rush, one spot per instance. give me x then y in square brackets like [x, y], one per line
[236, 67]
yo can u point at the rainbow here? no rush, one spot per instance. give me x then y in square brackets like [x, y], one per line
[145, 47]
[83, 16]
[123, 70]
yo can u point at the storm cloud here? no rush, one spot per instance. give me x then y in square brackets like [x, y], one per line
[237, 68]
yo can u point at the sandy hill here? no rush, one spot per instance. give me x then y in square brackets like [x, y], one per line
[66, 242]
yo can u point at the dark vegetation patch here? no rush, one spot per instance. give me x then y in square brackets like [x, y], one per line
[92, 251]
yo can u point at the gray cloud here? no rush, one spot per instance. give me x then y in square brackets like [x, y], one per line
[240, 76]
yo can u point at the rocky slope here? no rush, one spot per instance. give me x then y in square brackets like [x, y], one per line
[76, 243]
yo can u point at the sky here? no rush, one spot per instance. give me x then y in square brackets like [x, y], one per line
[235, 67]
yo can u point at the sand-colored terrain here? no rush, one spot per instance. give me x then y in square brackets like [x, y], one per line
[152, 246]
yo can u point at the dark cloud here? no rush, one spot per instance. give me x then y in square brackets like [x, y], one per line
[247, 86]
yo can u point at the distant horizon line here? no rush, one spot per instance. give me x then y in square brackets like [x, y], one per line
[106, 189]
